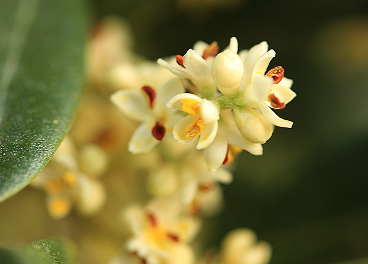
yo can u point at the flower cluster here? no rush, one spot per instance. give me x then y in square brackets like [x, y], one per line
[228, 105]
[184, 117]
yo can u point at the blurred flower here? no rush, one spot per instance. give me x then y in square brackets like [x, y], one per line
[66, 185]
[241, 247]
[160, 233]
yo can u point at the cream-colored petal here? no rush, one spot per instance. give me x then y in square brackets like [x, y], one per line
[223, 176]
[262, 63]
[236, 139]
[181, 72]
[196, 65]
[142, 140]
[209, 111]
[250, 59]
[208, 135]
[261, 87]
[286, 82]
[283, 93]
[133, 104]
[258, 254]
[91, 196]
[180, 127]
[166, 92]
[175, 102]
[233, 45]
[200, 46]
[215, 153]
[188, 190]
[273, 118]
[179, 254]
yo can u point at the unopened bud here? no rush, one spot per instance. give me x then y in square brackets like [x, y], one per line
[227, 71]
[253, 126]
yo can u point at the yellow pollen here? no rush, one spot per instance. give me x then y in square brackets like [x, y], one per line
[156, 235]
[195, 128]
[190, 106]
[69, 179]
[59, 208]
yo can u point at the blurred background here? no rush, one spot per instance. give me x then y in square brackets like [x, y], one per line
[308, 194]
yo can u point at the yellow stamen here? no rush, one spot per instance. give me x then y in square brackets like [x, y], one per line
[190, 106]
[195, 128]
[156, 235]
[58, 208]
[69, 178]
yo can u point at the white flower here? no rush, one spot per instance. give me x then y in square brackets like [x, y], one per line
[201, 121]
[160, 233]
[241, 247]
[149, 108]
[66, 184]
[265, 91]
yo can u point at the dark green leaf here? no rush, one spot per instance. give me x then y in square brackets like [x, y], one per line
[10, 256]
[41, 79]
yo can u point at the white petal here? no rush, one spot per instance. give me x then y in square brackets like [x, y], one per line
[196, 65]
[273, 118]
[261, 87]
[286, 82]
[142, 140]
[168, 91]
[91, 196]
[200, 47]
[175, 102]
[284, 94]
[233, 46]
[180, 127]
[208, 135]
[188, 191]
[262, 63]
[250, 59]
[133, 104]
[236, 139]
[209, 111]
[178, 71]
[215, 153]
[223, 176]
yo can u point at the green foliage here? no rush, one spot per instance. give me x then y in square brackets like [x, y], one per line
[46, 251]
[41, 81]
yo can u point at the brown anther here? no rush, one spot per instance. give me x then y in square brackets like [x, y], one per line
[275, 102]
[152, 219]
[206, 186]
[158, 131]
[180, 60]
[276, 74]
[151, 95]
[231, 153]
[173, 237]
[211, 51]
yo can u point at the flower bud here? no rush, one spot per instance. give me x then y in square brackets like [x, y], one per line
[227, 71]
[253, 126]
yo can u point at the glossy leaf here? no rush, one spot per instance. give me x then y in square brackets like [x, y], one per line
[50, 251]
[41, 79]
[45, 251]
